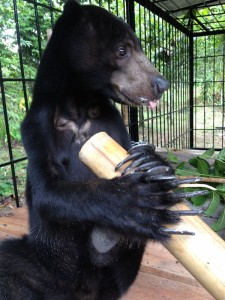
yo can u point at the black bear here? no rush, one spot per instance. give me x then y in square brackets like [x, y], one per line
[91, 59]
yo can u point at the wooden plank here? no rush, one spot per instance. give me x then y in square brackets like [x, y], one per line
[15, 224]
[149, 286]
[158, 260]
[161, 276]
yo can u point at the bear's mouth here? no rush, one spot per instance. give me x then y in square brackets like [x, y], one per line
[152, 104]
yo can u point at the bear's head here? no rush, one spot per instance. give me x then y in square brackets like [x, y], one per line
[104, 56]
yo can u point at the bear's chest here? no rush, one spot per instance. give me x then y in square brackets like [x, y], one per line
[77, 125]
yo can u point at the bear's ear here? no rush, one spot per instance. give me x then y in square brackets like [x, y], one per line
[72, 8]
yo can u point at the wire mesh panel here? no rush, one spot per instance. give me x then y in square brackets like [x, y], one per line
[24, 26]
[168, 49]
[209, 91]
[25, 35]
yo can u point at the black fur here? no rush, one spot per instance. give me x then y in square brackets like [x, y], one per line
[83, 66]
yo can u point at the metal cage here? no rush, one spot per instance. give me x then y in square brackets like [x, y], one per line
[184, 39]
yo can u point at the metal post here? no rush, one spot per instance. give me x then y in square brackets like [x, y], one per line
[191, 82]
[133, 113]
[191, 89]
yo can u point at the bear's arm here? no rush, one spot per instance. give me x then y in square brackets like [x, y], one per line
[134, 205]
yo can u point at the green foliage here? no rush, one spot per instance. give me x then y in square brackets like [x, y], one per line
[6, 183]
[215, 201]
[200, 166]
[220, 223]
[19, 57]
[6, 187]
[15, 104]
[172, 157]
[31, 42]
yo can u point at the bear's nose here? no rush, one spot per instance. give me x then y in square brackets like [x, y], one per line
[162, 84]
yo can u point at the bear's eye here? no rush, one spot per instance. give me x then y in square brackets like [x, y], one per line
[121, 51]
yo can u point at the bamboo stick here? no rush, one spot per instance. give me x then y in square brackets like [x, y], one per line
[202, 254]
[206, 179]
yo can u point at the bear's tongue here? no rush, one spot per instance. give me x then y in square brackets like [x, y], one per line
[152, 104]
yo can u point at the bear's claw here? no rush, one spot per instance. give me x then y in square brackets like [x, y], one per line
[168, 231]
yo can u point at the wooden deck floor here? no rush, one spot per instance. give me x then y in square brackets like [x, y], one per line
[160, 276]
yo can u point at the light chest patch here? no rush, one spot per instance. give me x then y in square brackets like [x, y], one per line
[77, 122]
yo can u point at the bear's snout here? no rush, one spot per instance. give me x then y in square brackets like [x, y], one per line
[161, 84]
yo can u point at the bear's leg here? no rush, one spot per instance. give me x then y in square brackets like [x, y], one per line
[21, 276]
